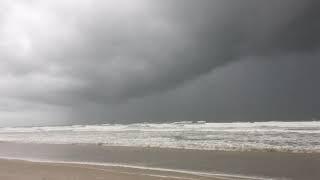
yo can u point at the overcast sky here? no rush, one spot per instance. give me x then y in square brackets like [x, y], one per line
[123, 61]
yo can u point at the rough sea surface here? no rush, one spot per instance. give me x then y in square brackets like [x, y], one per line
[241, 136]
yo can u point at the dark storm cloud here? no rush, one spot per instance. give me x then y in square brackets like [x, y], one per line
[105, 52]
[207, 35]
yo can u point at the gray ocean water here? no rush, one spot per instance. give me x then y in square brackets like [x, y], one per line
[241, 136]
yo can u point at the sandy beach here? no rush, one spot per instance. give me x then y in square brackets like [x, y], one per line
[23, 170]
[84, 162]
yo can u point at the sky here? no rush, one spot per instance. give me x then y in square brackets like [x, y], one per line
[127, 61]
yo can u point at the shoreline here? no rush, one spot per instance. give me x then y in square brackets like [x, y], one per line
[27, 170]
[137, 170]
[276, 165]
[317, 152]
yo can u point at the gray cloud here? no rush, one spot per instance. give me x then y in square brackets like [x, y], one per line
[66, 53]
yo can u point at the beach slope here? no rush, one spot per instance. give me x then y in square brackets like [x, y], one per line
[25, 170]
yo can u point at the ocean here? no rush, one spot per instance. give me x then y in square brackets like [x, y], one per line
[297, 137]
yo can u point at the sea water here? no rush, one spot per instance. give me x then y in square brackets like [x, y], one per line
[239, 136]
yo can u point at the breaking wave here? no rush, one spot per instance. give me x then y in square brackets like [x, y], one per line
[240, 136]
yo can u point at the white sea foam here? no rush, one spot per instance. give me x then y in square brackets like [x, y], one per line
[241, 136]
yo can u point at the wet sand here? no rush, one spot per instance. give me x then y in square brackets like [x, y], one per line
[23, 170]
[275, 165]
